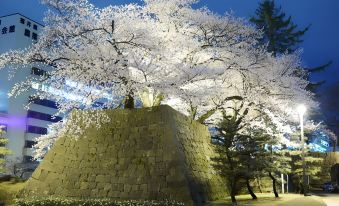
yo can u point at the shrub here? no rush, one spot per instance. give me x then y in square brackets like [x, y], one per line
[93, 202]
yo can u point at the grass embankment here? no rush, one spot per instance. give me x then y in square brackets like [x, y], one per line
[270, 200]
[8, 191]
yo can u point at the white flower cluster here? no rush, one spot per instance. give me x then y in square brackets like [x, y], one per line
[197, 59]
[93, 202]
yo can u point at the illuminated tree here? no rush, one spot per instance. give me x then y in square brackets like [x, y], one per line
[162, 52]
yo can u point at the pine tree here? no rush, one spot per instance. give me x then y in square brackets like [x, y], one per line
[280, 33]
[252, 153]
[240, 148]
[228, 141]
[278, 162]
[3, 150]
[313, 166]
[275, 159]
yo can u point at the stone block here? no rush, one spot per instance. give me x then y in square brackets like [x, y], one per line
[101, 179]
[84, 185]
[127, 188]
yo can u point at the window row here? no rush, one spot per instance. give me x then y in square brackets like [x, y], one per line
[28, 23]
[36, 129]
[41, 87]
[38, 72]
[28, 34]
[44, 102]
[43, 116]
[29, 159]
[29, 143]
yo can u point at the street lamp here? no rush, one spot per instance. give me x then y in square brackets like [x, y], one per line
[301, 110]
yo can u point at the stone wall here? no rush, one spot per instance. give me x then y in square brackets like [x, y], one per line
[152, 153]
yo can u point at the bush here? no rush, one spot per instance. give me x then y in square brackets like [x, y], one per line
[8, 190]
[92, 202]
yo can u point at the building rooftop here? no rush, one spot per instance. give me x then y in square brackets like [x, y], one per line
[22, 16]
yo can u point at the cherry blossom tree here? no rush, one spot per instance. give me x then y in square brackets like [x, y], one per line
[163, 51]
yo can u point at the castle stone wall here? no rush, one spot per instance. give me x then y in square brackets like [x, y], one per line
[150, 154]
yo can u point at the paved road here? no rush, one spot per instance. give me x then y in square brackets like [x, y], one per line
[331, 199]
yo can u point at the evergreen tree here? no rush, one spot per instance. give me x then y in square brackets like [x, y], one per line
[3, 150]
[313, 166]
[253, 150]
[313, 163]
[277, 162]
[275, 159]
[313, 86]
[280, 33]
[228, 141]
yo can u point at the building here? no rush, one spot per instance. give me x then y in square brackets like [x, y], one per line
[23, 125]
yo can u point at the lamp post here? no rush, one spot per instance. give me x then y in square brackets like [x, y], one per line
[301, 110]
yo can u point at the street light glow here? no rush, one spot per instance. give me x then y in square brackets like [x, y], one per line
[301, 109]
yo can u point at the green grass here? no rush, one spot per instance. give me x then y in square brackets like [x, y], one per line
[8, 191]
[269, 200]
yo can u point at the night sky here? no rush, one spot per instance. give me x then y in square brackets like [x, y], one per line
[321, 42]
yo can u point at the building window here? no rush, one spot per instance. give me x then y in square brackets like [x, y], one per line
[27, 32]
[42, 87]
[44, 102]
[29, 143]
[34, 36]
[4, 30]
[35, 27]
[35, 85]
[11, 29]
[28, 23]
[37, 71]
[36, 130]
[97, 104]
[22, 20]
[43, 116]
[28, 159]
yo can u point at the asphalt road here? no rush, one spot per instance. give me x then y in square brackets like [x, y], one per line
[331, 199]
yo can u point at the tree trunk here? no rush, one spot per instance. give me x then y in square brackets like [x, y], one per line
[234, 201]
[250, 190]
[233, 192]
[274, 184]
[129, 102]
[301, 187]
[334, 145]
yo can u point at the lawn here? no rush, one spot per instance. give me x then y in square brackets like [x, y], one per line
[8, 191]
[270, 200]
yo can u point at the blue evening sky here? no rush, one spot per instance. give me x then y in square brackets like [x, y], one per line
[321, 42]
